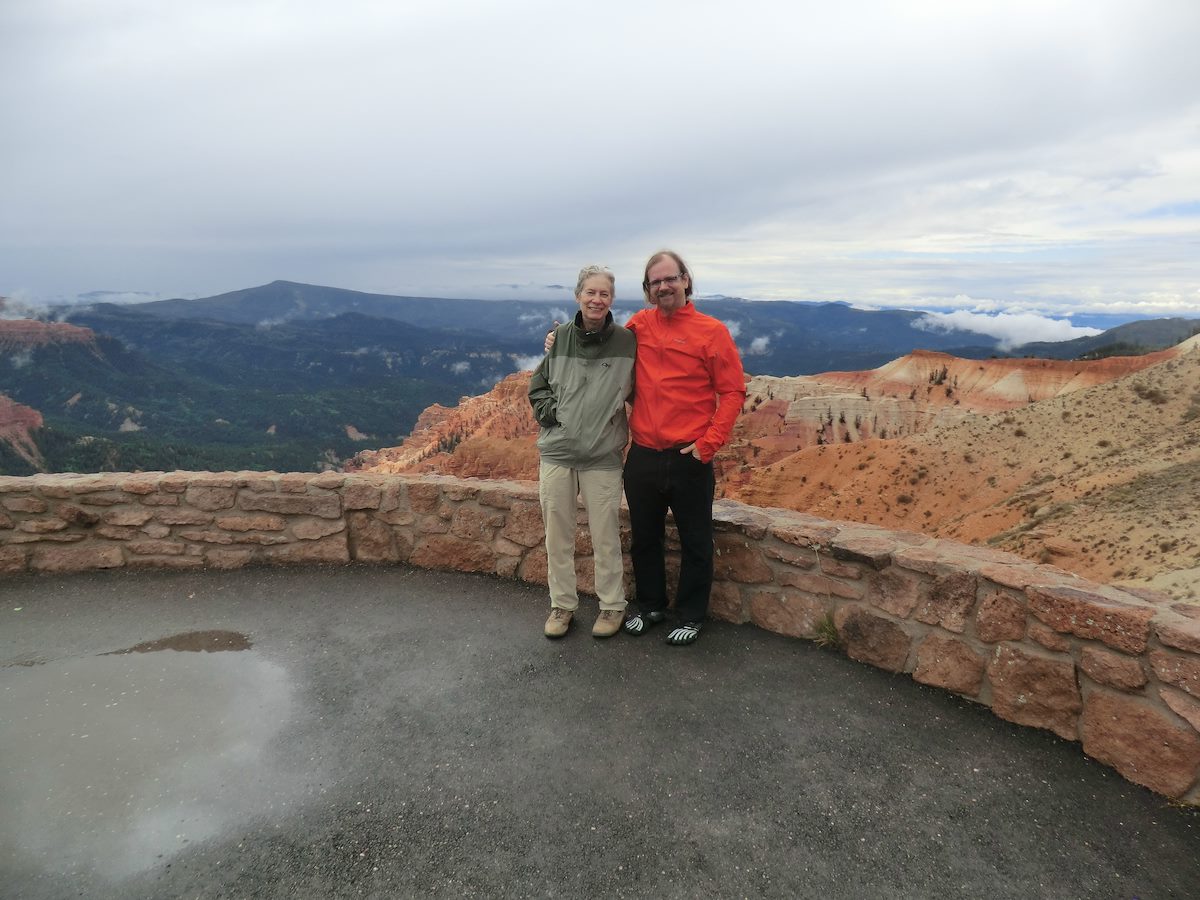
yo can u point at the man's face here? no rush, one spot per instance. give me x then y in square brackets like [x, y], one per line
[667, 296]
[595, 298]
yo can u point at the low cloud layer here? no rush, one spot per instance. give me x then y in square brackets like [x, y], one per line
[526, 363]
[1009, 329]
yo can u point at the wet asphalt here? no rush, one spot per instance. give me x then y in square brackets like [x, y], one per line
[391, 732]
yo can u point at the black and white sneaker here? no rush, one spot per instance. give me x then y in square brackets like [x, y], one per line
[685, 634]
[639, 622]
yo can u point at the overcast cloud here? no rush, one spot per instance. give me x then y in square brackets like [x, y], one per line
[1016, 156]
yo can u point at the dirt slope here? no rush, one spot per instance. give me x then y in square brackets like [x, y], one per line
[1104, 481]
[1091, 465]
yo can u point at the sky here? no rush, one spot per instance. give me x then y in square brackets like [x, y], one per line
[1001, 162]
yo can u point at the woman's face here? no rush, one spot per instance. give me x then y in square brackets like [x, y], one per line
[595, 298]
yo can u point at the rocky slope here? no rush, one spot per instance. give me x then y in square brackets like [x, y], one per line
[908, 396]
[1094, 466]
[1103, 481]
[17, 425]
[17, 335]
[18, 339]
[490, 436]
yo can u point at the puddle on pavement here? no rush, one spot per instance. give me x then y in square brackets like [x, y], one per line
[111, 764]
[191, 642]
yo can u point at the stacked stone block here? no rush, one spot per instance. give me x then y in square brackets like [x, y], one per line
[1115, 670]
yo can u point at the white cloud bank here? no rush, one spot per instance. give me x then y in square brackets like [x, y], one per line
[1009, 329]
[758, 346]
[526, 363]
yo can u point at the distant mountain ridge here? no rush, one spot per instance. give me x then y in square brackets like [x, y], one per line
[775, 337]
[295, 376]
[1142, 336]
[145, 392]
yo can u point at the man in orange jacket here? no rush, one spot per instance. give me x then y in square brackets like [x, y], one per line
[688, 391]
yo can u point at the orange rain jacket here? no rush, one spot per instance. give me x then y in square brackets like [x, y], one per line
[686, 362]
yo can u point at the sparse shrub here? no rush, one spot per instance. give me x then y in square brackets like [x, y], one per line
[1193, 411]
[1020, 432]
[1104, 442]
[1153, 394]
[904, 498]
[825, 634]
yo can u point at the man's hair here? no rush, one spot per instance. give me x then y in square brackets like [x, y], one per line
[683, 270]
[588, 271]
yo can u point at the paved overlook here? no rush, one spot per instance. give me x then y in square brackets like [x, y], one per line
[394, 732]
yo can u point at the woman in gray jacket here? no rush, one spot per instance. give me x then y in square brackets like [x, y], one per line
[578, 395]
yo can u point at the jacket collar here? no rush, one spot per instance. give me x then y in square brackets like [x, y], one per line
[685, 311]
[591, 337]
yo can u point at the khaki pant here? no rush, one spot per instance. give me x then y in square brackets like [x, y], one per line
[559, 487]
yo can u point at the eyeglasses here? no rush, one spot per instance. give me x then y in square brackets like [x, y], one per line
[669, 281]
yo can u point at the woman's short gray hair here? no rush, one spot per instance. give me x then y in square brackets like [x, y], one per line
[588, 271]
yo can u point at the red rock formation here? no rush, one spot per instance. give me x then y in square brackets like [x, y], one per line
[1004, 451]
[17, 424]
[27, 334]
[490, 436]
[905, 397]
[1101, 480]
[493, 435]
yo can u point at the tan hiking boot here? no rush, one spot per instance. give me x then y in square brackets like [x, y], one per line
[608, 623]
[558, 623]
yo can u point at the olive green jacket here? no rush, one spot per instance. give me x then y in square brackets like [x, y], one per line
[578, 395]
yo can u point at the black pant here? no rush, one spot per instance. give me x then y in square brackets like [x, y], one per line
[655, 481]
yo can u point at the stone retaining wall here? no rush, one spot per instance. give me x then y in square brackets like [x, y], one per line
[1116, 671]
